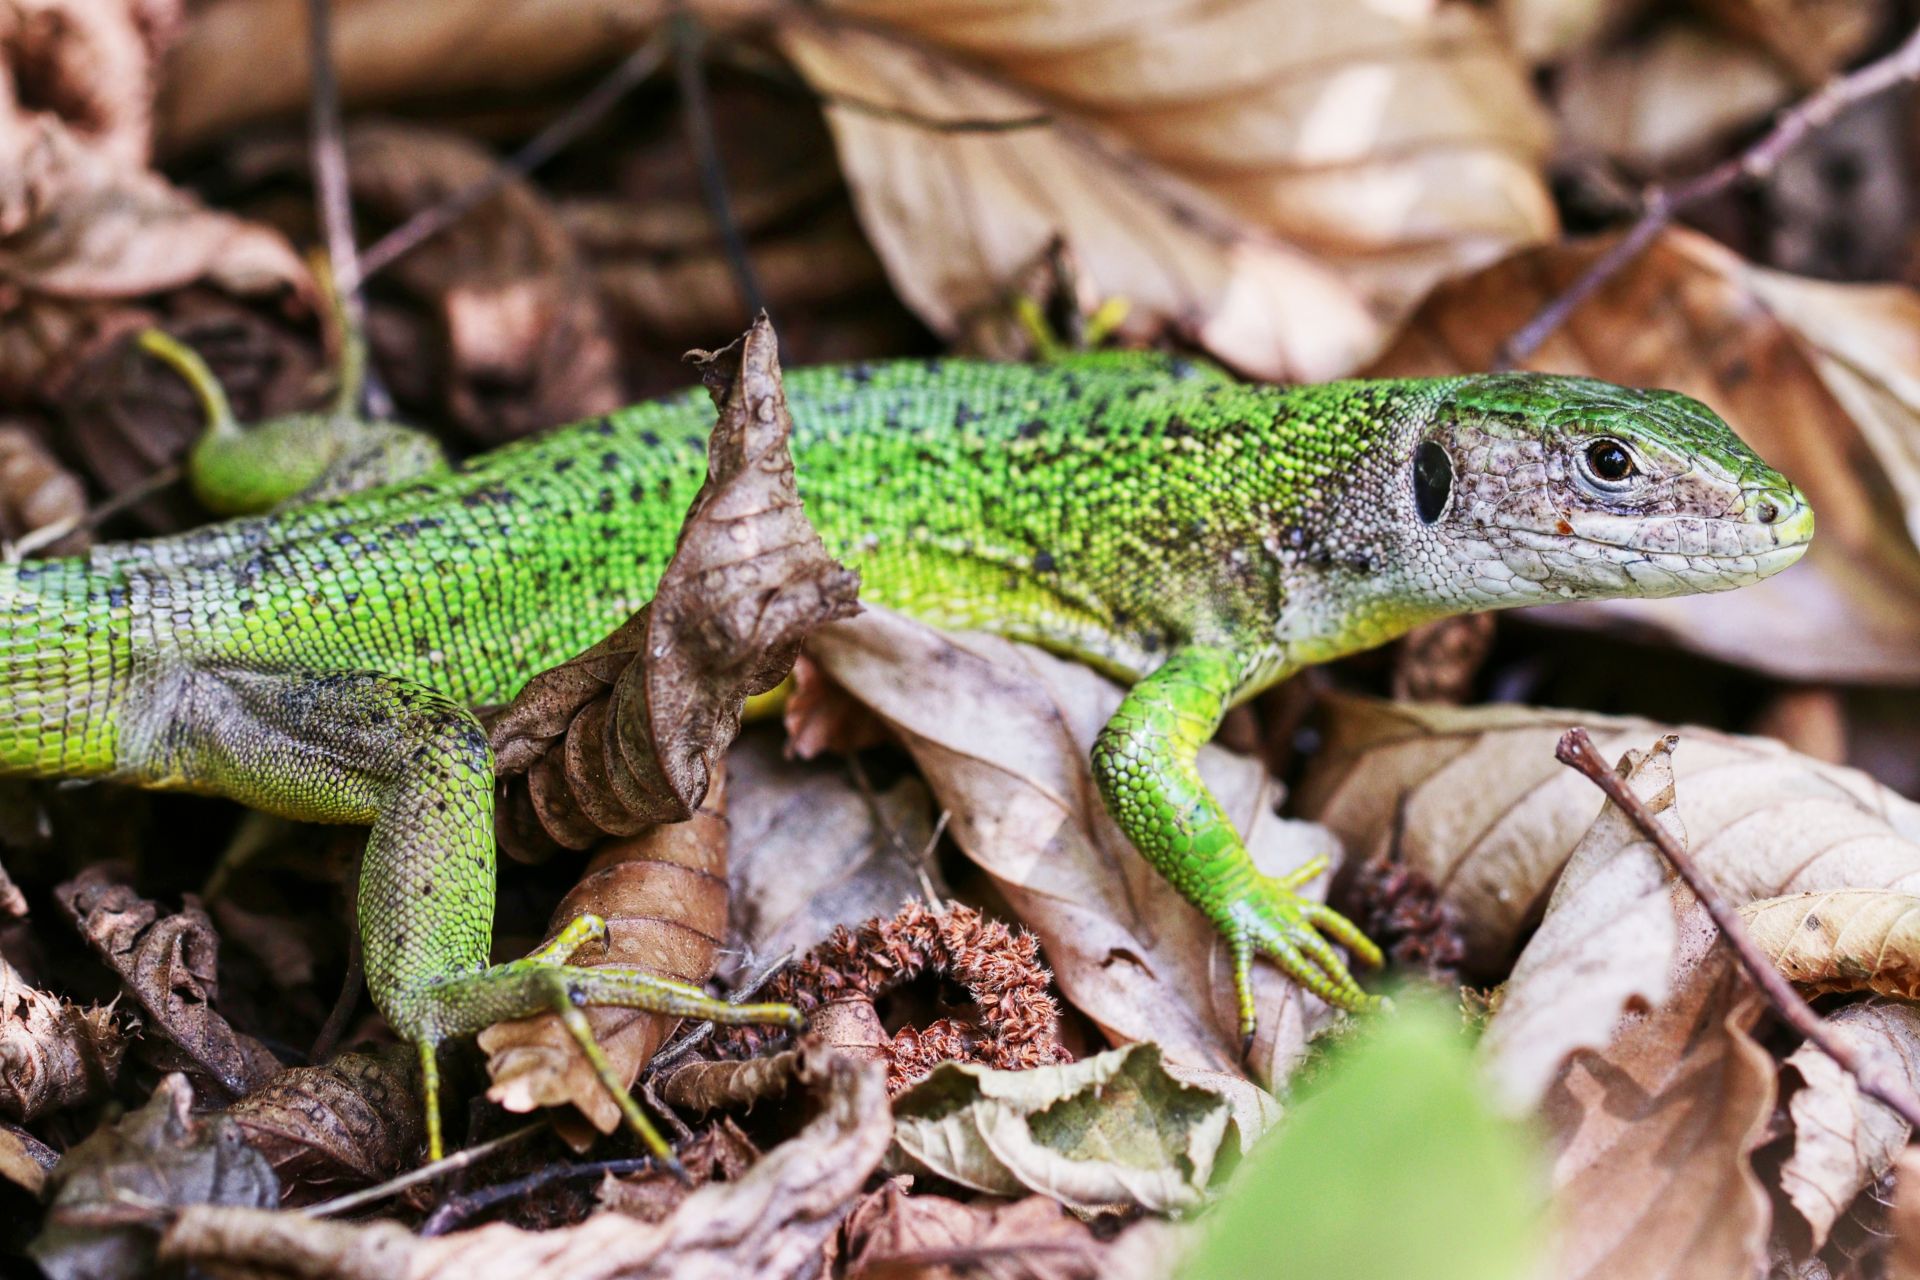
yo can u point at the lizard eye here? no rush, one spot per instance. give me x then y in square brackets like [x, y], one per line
[1608, 461]
[1432, 480]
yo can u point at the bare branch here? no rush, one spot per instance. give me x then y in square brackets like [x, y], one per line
[1576, 749]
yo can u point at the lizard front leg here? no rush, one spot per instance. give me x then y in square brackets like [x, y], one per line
[415, 767]
[1144, 764]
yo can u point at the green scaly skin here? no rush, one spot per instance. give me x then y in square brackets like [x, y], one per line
[1199, 537]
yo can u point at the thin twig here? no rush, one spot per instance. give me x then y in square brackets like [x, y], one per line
[542, 147]
[458, 1208]
[425, 1173]
[1663, 201]
[350, 986]
[1577, 750]
[696, 110]
[328, 142]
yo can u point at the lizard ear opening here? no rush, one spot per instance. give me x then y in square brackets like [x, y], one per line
[1432, 480]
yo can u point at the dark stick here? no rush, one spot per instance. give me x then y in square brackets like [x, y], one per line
[696, 109]
[336, 202]
[542, 147]
[1663, 201]
[456, 1209]
[349, 999]
[1577, 750]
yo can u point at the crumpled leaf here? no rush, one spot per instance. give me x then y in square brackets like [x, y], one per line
[810, 850]
[331, 1128]
[1842, 939]
[53, 1053]
[1113, 1130]
[1002, 733]
[112, 1193]
[1473, 799]
[1605, 943]
[663, 895]
[1652, 1134]
[25, 1161]
[1842, 1140]
[1396, 1166]
[1820, 379]
[170, 965]
[627, 733]
[771, 1223]
[36, 492]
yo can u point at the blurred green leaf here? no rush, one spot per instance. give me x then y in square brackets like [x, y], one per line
[1395, 1166]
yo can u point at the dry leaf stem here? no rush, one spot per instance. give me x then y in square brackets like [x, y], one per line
[696, 110]
[425, 1173]
[1663, 200]
[1576, 749]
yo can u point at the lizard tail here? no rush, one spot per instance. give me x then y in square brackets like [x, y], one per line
[63, 663]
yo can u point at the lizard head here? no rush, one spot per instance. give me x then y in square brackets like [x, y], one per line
[1547, 488]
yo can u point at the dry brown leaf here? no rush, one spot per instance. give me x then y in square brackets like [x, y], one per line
[627, 733]
[1653, 1133]
[663, 895]
[1002, 733]
[53, 1053]
[327, 1129]
[1843, 1141]
[1903, 1257]
[1549, 30]
[169, 963]
[1691, 316]
[25, 1161]
[893, 1234]
[1842, 939]
[1474, 800]
[1817, 38]
[112, 1193]
[811, 850]
[772, 1223]
[1648, 105]
[37, 492]
[1605, 943]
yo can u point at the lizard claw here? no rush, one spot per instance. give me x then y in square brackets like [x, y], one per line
[1272, 920]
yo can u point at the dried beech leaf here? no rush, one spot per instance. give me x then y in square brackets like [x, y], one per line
[811, 851]
[1653, 1133]
[1002, 733]
[1820, 379]
[53, 1054]
[1113, 1130]
[663, 895]
[1606, 943]
[891, 1233]
[748, 580]
[1473, 800]
[1842, 939]
[25, 1161]
[113, 1192]
[1842, 1140]
[327, 1129]
[170, 965]
[772, 1223]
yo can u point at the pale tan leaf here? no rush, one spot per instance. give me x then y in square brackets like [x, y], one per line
[1817, 38]
[1652, 1178]
[1842, 1140]
[1903, 1258]
[1606, 942]
[1548, 30]
[1842, 939]
[1692, 316]
[1002, 733]
[1474, 800]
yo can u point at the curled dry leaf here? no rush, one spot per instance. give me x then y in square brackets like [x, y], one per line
[1842, 939]
[811, 850]
[36, 492]
[1474, 800]
[1822, 380]
[1844, 1141]
[627, 733]
[771, 1223]
[663, 895]
[170, 965]
[113, 1192]
[53, 1054]
[1002, 733]
[25, 1161]
[327, 1129]
[721, 1152]
[1015, 1024]
[1268, 180]
[1605, 944]
[1111, 1131]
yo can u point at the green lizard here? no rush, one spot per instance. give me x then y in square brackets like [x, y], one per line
[1195, 536]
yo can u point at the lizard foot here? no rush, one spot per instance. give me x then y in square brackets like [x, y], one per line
[544, 981]
[1270, 918]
